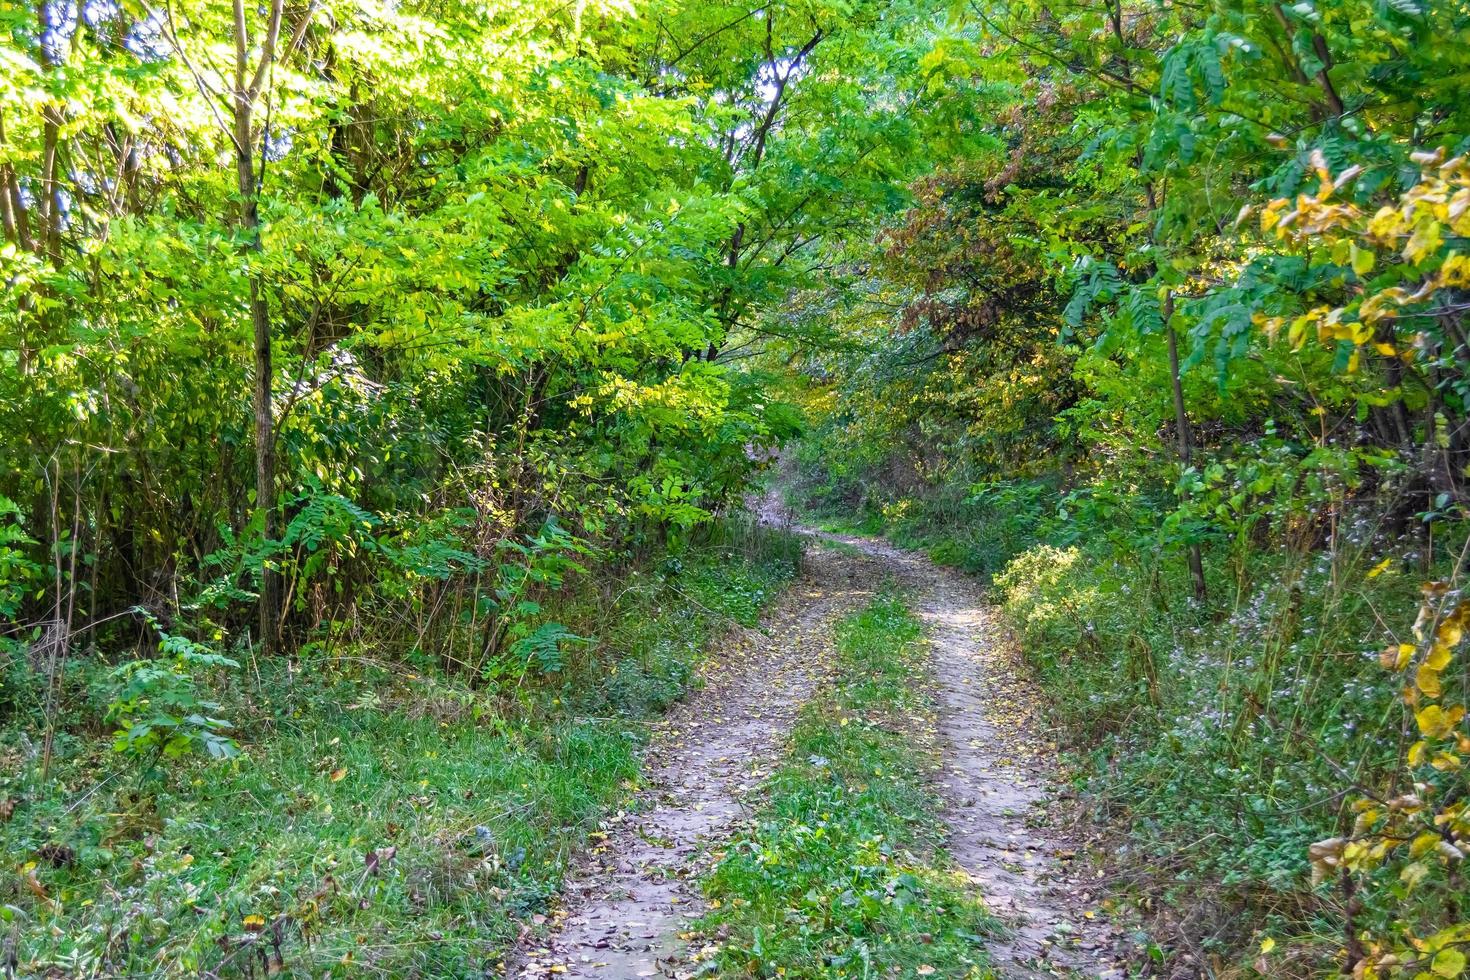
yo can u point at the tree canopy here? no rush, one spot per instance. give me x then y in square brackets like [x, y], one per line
[327, 311]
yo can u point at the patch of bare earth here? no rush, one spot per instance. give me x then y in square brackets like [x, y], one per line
[627, 906]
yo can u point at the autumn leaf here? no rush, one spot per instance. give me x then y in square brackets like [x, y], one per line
[1435, 722]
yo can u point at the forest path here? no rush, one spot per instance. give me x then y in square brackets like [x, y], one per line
[635, 895]
[997, 777]
[637, 891]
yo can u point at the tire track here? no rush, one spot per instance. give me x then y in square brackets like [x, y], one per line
[627, 905]
[997, 780]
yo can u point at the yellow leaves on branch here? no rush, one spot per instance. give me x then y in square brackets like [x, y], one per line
[1414, 230]
[1435, 722]
[1425, 832]
[1396, 657]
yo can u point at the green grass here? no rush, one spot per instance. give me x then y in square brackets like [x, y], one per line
[866, 524]
[841, 874]
[390, 822]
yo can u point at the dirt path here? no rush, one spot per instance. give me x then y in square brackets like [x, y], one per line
[632, 901]
[997, 782]
[633, 898]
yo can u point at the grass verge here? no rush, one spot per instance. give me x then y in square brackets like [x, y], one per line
[841, 874]
[386, 819]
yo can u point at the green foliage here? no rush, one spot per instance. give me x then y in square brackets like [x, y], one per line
[506, 264]
[730, 575]
[1199, 289]
[18, 573]
[543, 647]
[838, 877]
[157, 706]
[387, 816]
[329, 327]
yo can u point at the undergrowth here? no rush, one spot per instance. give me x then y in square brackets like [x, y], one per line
[1213, 744]
[839, 875]
[974, 529]
[381, 819]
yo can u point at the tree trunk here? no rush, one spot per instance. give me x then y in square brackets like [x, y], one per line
[1181, 427]
[265, 453]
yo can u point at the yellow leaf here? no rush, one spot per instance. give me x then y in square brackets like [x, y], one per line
[1433, 722]
[1427, 679]
[1425, 239]
[1439, 657]
[1423, 844]
[1446, 762]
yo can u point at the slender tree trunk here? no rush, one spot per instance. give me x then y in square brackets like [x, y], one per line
[1181, 427]
[245, 94]
[17, 231]
[265, 458]
[48, 202]
[250, 78]
[9, 219]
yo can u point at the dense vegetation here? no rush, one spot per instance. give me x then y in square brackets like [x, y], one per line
[368, 373]
[386, 818]
[1181, 363]
[366, 402]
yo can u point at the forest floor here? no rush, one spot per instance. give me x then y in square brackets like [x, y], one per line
[630, 908]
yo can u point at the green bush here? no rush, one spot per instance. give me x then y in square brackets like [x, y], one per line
[1219, 740]
[374, 794]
